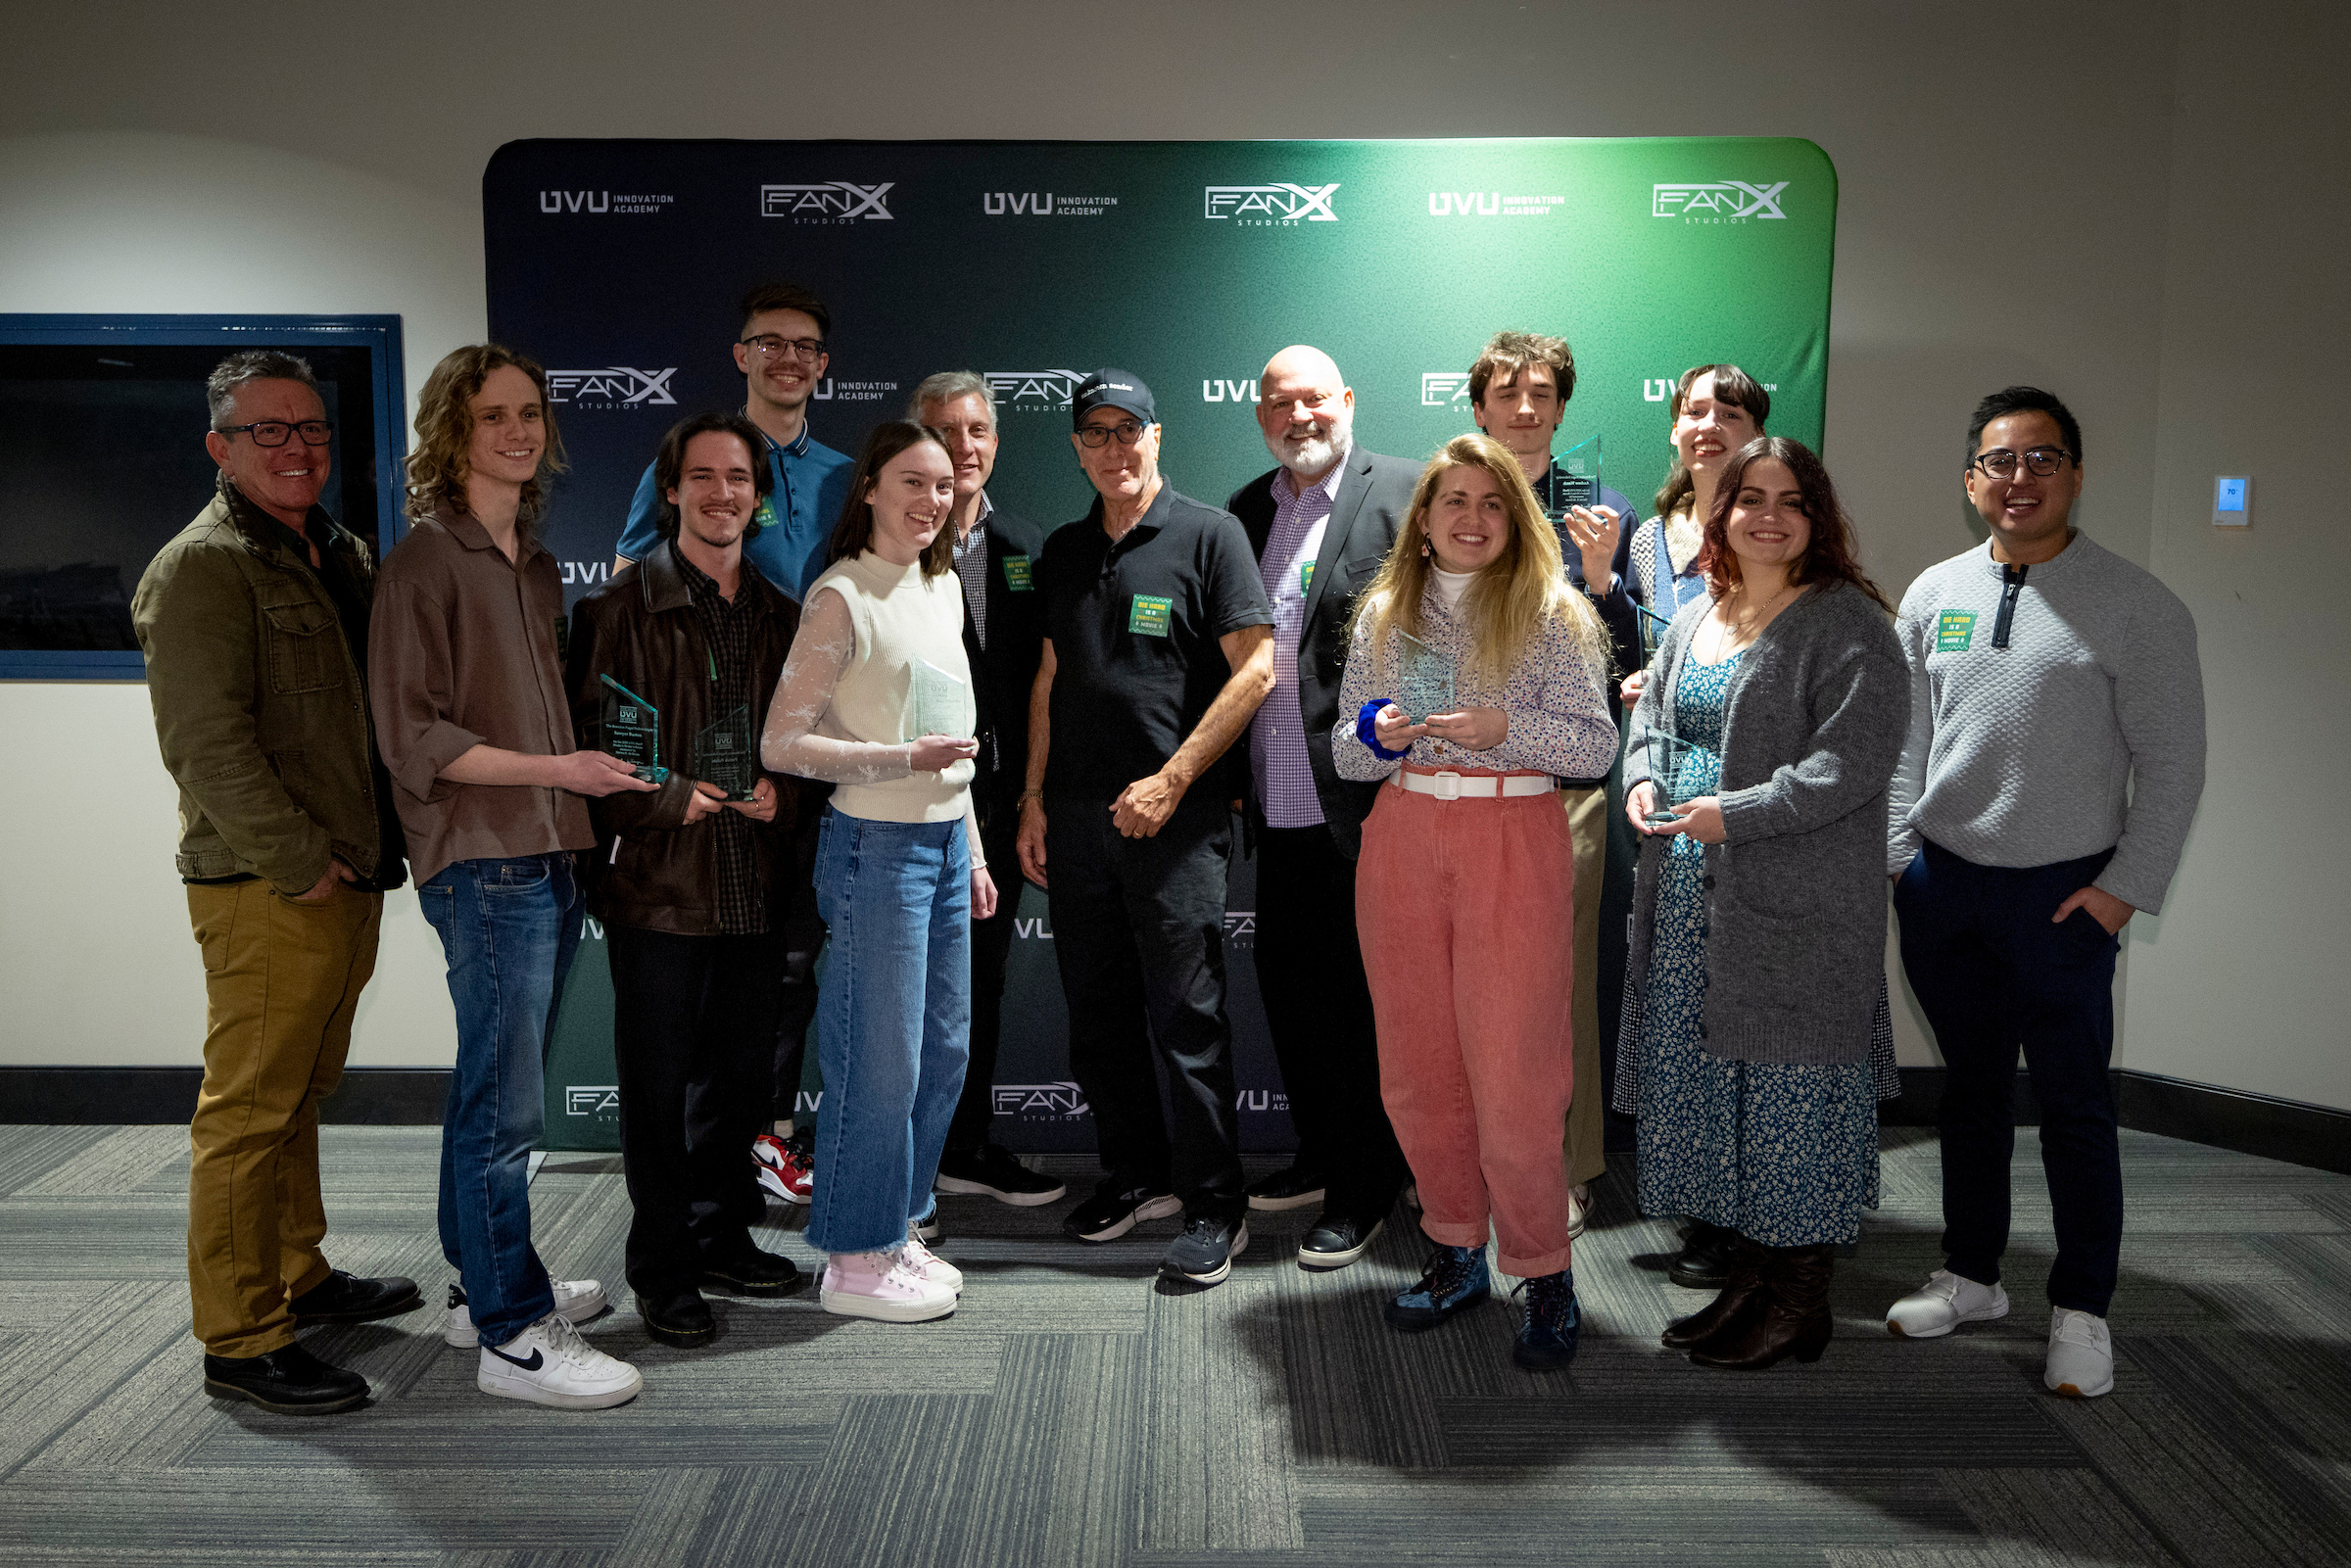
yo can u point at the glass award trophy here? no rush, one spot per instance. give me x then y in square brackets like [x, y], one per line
[1425, 682]
[1652, 628]
[1580, 475]
[722, 754]
[632, 731]
[936, 704]
[1678, 772]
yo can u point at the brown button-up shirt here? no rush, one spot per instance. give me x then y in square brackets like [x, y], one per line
[462, 651]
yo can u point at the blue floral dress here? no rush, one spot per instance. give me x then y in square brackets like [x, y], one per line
[1785, 1154]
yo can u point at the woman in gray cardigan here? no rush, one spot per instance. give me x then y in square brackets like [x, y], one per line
[1759, 909]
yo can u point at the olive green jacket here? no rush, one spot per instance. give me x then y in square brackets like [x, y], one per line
[259, 709]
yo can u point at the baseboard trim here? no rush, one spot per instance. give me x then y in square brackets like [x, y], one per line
[367, 1097]
[411, 1097]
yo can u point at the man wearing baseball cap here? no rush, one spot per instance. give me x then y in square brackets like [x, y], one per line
[1159, 646]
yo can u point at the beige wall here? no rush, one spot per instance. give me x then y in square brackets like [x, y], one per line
[2059, 195]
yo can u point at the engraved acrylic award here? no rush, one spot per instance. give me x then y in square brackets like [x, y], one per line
[1580, 475]
[722, 754]
[936, 704]
[1679, 772]
[632, 731]
[1425, 682]
[1654, 628]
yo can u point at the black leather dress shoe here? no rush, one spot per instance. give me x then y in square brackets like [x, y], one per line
[289, 1381]
[1706, 1257]
[681, 1318]
[348, 1298]
[1336, 1240]
[753, 1272]
[1297, 1187]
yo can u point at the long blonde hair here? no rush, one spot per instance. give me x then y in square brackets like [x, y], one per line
[1519, 595]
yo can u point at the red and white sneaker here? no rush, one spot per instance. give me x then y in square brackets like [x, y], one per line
[783, 1170]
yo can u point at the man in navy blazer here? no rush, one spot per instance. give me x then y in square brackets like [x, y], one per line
[1321, 523]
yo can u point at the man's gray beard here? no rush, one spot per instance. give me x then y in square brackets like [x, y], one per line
[1314, 459]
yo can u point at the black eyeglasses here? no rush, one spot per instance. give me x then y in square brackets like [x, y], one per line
[276, 432]
[2040, 462]
[768, 345]
[1127, 430]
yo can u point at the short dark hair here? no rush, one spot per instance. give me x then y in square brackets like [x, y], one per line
[1733, 386]
[2024, 399]
[1830, 555]
[1508, 355]
[669, 464]
[786, 297]
[854, 532]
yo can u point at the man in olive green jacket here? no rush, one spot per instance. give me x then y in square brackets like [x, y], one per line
[254, 620]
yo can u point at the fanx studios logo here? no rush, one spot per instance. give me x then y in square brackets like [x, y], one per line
[590, 1098]
[616, 386]
[1035, 388]
[1059, 1102]
[1722, 201]
[834, 201]
[1442, 388]
[1272, 206]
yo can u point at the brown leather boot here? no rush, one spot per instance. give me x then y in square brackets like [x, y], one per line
[1794, 1320]
[1748, 1263]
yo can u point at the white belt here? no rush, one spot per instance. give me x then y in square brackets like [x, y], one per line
[1475, 786]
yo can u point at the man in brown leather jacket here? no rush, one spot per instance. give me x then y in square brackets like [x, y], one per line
[690, 881]
[254, 620]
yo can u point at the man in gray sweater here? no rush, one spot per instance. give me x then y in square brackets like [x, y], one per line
[2055, 755]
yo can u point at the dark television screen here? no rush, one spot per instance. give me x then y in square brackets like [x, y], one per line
[102, 460]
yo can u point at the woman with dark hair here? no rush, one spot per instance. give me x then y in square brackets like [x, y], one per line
[1717, 409]
[1761, 751]
[876, 697]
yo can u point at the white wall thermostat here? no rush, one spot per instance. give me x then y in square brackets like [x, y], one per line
[2232, 501]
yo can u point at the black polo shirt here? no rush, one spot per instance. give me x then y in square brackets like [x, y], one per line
[1134, 626]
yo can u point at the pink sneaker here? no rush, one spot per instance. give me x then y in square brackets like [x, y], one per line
[882, 1285]
[921, 1260]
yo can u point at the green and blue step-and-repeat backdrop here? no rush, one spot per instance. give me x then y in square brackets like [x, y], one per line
[618, 265]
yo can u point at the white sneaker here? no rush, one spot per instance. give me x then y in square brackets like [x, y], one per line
[1579, 1207]
[580, 1299]
[2081, 1355]
[1944, 1302]
[928, 1263]
[881, 1285]
[548, 1363]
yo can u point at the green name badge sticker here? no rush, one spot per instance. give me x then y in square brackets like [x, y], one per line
[1151, 616]
[765, 516]
[1016, 574]
[1306, 578]
[1954, 630]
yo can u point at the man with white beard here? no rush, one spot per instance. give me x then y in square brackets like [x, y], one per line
[1320, 524]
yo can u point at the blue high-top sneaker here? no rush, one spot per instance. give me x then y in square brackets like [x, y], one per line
[1456, 1278]
[1547, 1336]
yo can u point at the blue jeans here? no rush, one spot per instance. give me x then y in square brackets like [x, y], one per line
[509, 928]
[894, 1017]
[1993, 972]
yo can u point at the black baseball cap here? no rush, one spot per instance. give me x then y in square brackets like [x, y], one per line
[1108, 388]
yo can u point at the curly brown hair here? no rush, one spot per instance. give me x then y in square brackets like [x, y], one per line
[1829, 555]
[437, 467]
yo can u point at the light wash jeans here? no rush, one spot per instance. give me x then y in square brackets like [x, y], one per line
[509, 928]
[894, 1017]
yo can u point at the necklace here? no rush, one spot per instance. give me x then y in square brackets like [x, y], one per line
[1735, 635]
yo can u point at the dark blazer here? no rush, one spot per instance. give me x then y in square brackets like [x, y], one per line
[1003, 672]
[1373, 499]
[641, 630]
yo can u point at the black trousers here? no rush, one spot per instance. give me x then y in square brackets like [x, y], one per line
[1139, 931]
[1309, 974]
[992, 950]
[1994, 975]
[804, 939]
[693, 1028]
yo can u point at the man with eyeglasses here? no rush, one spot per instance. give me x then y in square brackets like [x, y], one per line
[1321, 522]
[1158, 647]
[1519, 389]
[254, 620]
[2054, 761]
[781, 352]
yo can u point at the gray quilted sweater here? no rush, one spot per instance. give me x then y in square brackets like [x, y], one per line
[1796, 900]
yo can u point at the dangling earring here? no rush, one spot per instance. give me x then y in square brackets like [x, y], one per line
[1424, 551]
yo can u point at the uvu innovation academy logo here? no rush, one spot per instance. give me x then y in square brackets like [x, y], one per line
[616, 386]
[1490, 204]
[600, 203]
[832, 201]
[1043, 204]
[1722, 201]
[1036, 390]
[1281, 206]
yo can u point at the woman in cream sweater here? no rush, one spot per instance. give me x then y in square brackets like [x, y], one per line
[876, 699]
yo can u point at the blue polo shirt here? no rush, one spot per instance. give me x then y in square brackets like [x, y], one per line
[796, 519]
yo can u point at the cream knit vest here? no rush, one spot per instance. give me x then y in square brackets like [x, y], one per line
[901, 617]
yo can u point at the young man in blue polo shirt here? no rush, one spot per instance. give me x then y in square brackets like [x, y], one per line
[781, 352]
